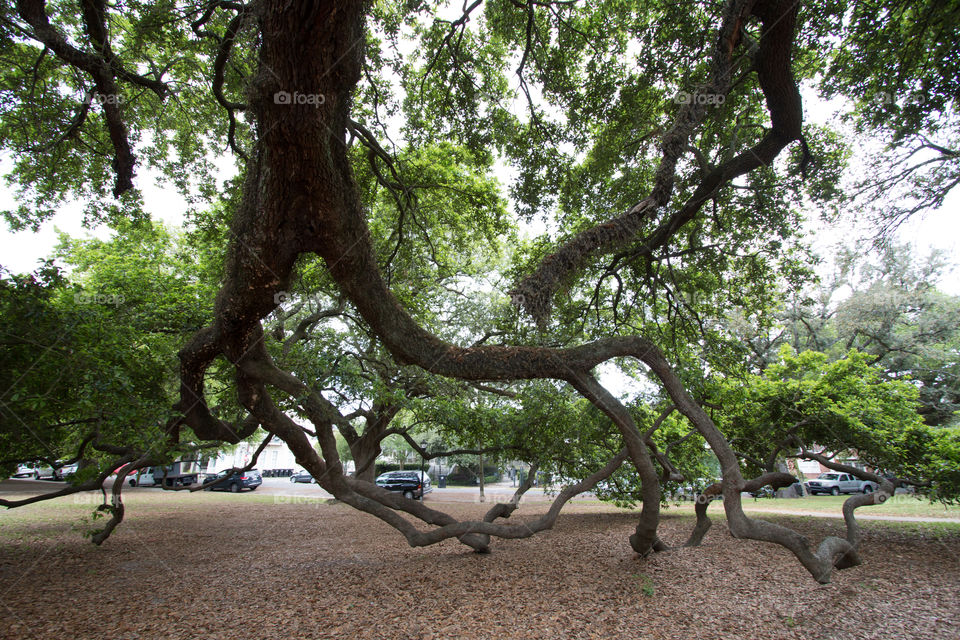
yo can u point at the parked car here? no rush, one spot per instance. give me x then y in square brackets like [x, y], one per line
[409, 483]
[67, 470]
[45, 471]
[235, 483]
[302, 476]
[145, 478]
[837, 483]
[23, 471]
[766, 491]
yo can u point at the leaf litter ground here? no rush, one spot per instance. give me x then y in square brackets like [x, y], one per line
[234, 568]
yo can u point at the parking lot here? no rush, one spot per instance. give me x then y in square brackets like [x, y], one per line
[501, 491]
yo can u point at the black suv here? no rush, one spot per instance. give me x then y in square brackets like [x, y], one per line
[407, 482]
[240, 480]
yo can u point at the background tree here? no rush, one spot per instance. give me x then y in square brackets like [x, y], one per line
[910, 108]
[89, 350]
[889, 308]
[809, 406]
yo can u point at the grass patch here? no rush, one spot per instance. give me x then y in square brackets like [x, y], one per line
[73, 514]
[937, 530]
[906, 505]
[926, 530]
[647, 587]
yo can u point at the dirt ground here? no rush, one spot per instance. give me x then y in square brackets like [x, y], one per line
[241, 569]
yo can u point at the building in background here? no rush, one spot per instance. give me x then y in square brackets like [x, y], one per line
[276, 460]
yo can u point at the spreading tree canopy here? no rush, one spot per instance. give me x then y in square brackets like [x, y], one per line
[661, 145]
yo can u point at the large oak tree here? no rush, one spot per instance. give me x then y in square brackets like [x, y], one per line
[665, 141]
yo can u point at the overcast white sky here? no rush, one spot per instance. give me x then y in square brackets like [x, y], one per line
[931, 230]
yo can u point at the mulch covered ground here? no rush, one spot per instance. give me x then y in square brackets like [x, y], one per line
[243, 570]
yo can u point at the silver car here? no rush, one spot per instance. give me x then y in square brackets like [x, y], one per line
[45, 471]
[23, 471]
[67, 470]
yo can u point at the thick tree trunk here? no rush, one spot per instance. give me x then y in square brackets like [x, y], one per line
[365, 453]
[482, 478]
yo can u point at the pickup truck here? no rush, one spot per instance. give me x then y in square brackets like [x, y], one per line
[837, 483]
[146, 477]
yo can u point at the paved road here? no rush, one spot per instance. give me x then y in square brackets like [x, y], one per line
[493, 492]
[21, 487]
